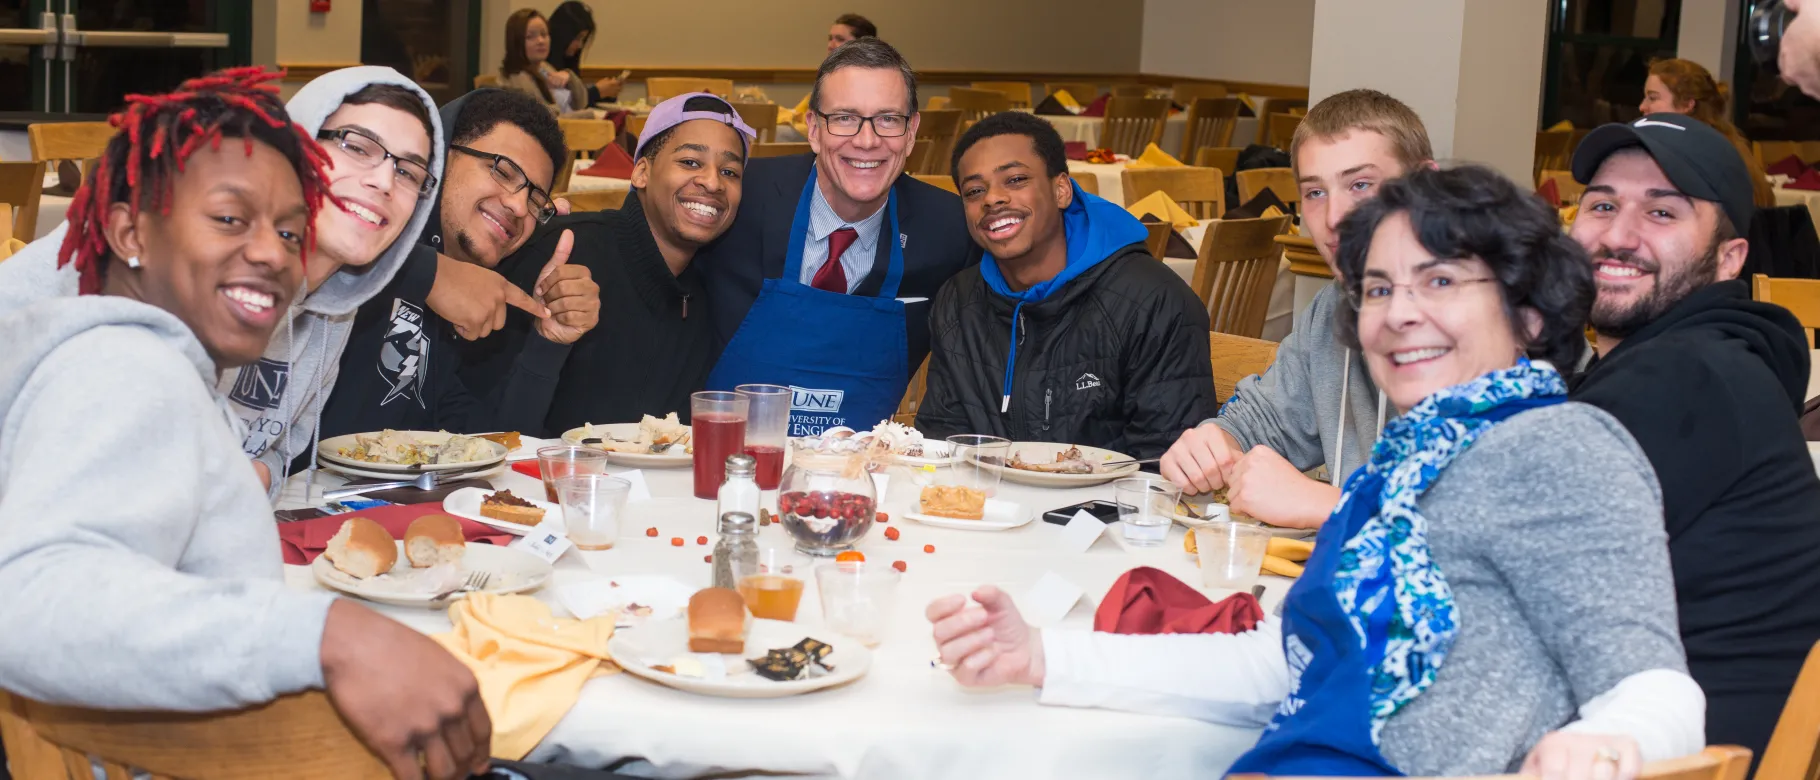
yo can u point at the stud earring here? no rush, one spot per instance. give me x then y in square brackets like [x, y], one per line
[133, 262]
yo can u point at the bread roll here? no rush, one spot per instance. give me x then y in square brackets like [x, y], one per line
[362, 548]
[717, 621]
[434, 539]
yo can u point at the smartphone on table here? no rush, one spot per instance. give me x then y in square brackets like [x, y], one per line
[1104, 511]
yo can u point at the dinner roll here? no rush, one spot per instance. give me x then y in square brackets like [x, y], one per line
[362, 548]
[717, 621]
[434, 539]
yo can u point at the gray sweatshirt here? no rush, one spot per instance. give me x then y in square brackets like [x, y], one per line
[138, 554]
[1315, 403]
[279, 397]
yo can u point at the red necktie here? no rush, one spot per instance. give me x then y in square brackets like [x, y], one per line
[830, 277]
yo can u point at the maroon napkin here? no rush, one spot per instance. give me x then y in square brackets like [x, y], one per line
[1808, 180]
[1076, 150]
[1550, 192]
[1098, 106]
[614, 163]
[1790, 166]
[1149, 601]
[306, 539]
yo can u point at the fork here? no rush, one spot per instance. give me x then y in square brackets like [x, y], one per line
[477, 580]
[424, 481]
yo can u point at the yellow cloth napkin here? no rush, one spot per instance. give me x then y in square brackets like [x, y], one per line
[1561, 125]
[796, 117]
[1272, 211]
[1567, 215]
[1061, 96]
[11, 246]
[1159, 204]
[530, 665]
[1154, 157]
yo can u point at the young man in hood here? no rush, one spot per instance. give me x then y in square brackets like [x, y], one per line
[1711, 384]
[400, 368]
[1316, 403]
[1067, 330]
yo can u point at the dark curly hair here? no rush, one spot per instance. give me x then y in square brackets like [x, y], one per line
[1043, 136]
[1473, 211]
[489, 107]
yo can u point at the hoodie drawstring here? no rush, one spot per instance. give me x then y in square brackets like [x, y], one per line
[1336, 468]
[1017, 314]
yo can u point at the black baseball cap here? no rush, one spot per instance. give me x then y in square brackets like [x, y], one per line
[1700, 161]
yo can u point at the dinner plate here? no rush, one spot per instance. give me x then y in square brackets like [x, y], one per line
[513, 571]
[629, 431]
[466, 503]
[329, 451]
[1000, 516]
[937, 454]
[527, 448]
[1218, 513]
[1045, 452]
[476, 472]
[660, 642]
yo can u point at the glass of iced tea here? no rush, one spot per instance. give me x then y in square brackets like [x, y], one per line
[774, 589]
[567, 460]
[767, 421]
[717, 423]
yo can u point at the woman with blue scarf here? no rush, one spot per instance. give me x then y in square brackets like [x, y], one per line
[1492, 593]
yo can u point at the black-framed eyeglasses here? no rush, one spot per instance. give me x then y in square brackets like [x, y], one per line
[513, 178]
[885, 125]
[366, 153]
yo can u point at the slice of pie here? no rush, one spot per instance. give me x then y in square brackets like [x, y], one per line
[505, 507]
[960, 503]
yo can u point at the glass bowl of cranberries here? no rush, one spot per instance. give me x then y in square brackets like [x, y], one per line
[826, 503]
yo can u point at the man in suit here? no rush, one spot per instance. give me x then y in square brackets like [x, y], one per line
[823, 283]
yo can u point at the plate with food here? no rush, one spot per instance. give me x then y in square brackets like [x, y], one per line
[518, 446]
[482, 471]
[719, 650]
[966, 509]
[501, 509]
[1045, 464]
[1191, 515]
[395, 452]
[905, 445]
[653, 442]
[427, 569]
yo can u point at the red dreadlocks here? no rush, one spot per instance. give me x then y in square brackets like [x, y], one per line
[158, 133]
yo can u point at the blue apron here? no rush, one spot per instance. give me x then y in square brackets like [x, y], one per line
[1323, 727]
[844, 357]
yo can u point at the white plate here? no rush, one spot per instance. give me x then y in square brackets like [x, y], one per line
[527, 448]
[1217, 513]
[466, 503]
[939, 454]
[629, 431]
[1000, 516]
[477, 472]
[660, 642]
[514, 571]
[1045, 452]
[328, 450]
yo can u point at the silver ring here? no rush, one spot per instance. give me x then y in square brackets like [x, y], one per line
[1605, 753]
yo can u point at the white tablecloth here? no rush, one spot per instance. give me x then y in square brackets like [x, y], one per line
[904, 719]
[1112, 187]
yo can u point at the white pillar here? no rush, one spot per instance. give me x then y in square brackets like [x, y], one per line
[1709, 35]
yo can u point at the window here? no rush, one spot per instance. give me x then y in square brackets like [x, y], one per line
[1598, 57]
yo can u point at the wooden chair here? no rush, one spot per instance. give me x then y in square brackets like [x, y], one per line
[1156, 241]
[1018, 92]
[1553, 148]
[1278, 180]
[1225, 158]
[1089, 183]
[1234, 271]
[780, 150]
[1800, 296]
[82, 142]
[1130, 90]
[937, 131]
[913, 396]
[944, 182]
[1210, 123]
[1794, 747]
[761, 116]
[1188, 93]
[1131, 123]
[594, 200]
[659, 88]
[1288, 107]
[1772, 152]
[1282, 130]
[21, 187]
[1081, 91]
[1199, 191]
[635, 124]
[486, 80]
[299, 735]
[977, 104]
[584, 137]
[1567, 190]
[936, 103]
[1234, 358]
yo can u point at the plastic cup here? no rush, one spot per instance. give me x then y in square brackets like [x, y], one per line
[857, 599]
[717, 423]
[567, 460]
[1146, 508]
[767, 424]
[1231, 554]
[979, 462]
[592, 506]
[774, 589]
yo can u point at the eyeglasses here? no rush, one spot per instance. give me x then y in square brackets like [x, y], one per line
[367, 153]
[513, 179]
[885, 125]
[1434, 287]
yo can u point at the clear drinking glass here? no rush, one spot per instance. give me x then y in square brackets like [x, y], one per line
[592, 505]
[767, 425]
[717, 422]
[1146, 508]
[979, 462]
[1231, 554]
[567, 460]
[775, 588]
[857, 599]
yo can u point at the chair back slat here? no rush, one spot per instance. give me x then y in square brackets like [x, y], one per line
[1210, 123]
[1131, 123]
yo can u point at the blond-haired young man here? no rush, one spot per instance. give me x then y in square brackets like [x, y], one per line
[1316, 404]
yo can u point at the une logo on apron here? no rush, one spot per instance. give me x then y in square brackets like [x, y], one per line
[812, 411]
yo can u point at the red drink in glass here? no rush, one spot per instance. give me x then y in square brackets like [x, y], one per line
[716, 435]
[770, 465]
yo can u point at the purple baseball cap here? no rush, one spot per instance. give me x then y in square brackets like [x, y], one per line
[671, 113]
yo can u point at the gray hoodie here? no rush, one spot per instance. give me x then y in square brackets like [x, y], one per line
[137, 551]
[279, 397]
[1316, 404]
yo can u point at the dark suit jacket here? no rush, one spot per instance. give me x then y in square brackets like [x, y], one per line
[753, 249]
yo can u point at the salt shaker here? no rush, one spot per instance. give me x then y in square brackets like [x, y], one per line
[736, 553]
[739, 491]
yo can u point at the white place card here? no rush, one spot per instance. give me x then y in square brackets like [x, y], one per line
[1081, 532]
[640, 490]
[880, 482]
[1051, 599]
[548, 545]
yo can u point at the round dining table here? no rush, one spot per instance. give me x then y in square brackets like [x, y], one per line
[904, 718]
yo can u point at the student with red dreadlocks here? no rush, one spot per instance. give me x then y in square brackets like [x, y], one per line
[136, 546]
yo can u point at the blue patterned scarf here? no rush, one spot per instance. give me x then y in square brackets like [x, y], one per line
[1389, 554]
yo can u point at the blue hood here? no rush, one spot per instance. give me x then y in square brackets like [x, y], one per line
[1096, 229]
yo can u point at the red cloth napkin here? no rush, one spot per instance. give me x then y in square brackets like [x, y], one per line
[1098, 106]
[1550, 192]
[1808, 180]
[614, 163]
[306, 539]
[1149, 601]
[528, 468]
[1075, 150]
[1790, 166]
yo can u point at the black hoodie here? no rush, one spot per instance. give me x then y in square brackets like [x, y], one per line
[1711, 391]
